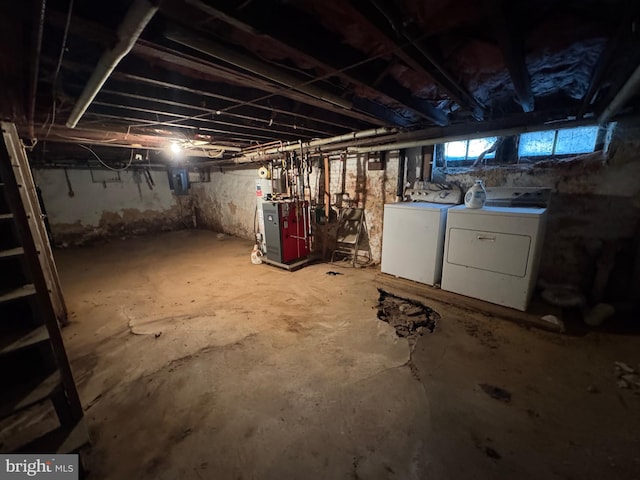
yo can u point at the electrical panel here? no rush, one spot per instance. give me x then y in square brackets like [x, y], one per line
[179, 181]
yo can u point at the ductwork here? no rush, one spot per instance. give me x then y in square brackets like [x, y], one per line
[135, 21]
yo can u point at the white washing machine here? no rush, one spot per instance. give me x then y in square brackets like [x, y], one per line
[413, 240]
[493, 253]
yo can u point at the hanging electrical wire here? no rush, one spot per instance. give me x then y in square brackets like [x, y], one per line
[104, 164]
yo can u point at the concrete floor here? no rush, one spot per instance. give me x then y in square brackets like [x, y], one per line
[193, 363]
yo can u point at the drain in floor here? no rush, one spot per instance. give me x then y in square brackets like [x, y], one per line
[411, 319]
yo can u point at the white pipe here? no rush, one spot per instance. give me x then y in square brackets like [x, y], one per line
[626, 92]
[318, 143]
[469, 136]
[136, 19]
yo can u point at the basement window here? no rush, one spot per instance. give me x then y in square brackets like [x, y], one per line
[466, 151]
[526, 147]
[549, 143]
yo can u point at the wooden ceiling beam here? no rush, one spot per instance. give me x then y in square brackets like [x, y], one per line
[189, 65]
[170, 59]
[608, 55]
[135, 77]
[290, 82]
[14, 63]
[199, 108]
[386, 19]
[512, 46]
[179, 115]
[141, 119]
[282, 38]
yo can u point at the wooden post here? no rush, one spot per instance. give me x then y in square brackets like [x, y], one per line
[427, 162]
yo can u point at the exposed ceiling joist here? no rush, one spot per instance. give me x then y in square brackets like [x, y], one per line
[246, 62]
[37, 34]
[323, 57]
[289, 81]
[200, 93]
[179, 116]
[147, 119]
[281, 70]
[196, 67]
[12, 53]
[628, 90]
[289, 128]
[512, 47]
[599, 74]
[307, 115]
[139, 14]
[137, 75]
[109, 134]
[171, 58]
[428, 60]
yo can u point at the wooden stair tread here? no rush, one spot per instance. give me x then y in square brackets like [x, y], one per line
[13, 252]
[24, 396]
[65, 439]
[22, 340]
[6, 216]
[19, 292]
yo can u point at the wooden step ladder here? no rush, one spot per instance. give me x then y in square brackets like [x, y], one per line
[34, 369]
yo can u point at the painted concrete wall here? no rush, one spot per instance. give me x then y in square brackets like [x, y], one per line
[103, 207]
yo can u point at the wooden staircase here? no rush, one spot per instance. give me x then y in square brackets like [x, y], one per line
[34, 369]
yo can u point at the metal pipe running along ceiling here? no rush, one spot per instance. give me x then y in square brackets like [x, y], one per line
[403, 140]
[501, 132]
[134, 22]
[353, 136]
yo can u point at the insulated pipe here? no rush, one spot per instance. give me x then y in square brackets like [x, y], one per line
[134, 22]
[629, 89]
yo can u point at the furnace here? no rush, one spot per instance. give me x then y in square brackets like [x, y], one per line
[286, 230]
